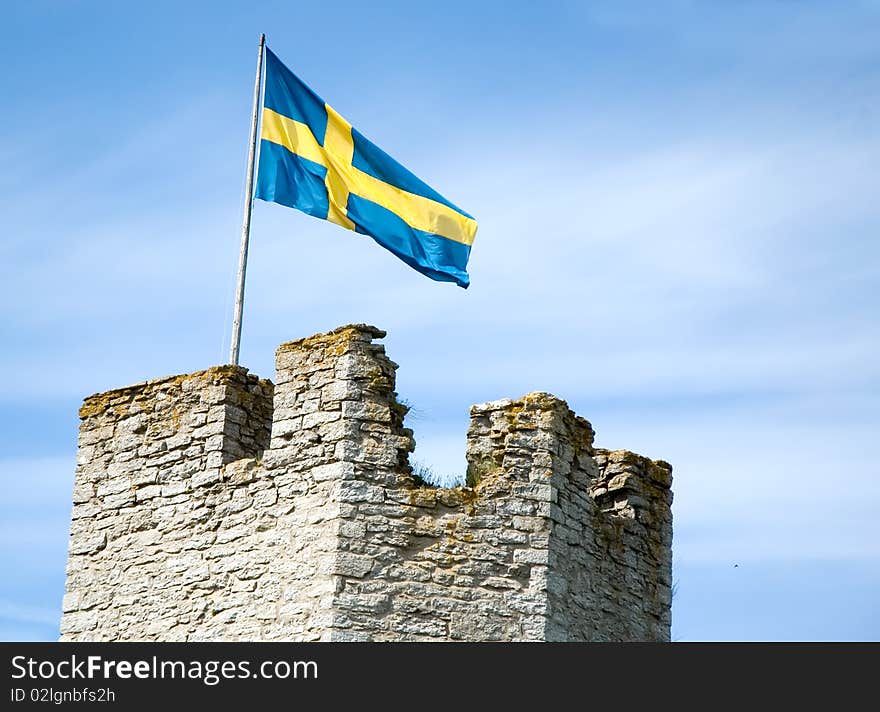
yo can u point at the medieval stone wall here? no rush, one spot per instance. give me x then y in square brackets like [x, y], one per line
[150, 469]
[189, 523]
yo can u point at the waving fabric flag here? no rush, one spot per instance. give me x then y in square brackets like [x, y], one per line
[313, 160]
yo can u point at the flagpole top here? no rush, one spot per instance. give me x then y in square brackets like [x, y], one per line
[262, 39]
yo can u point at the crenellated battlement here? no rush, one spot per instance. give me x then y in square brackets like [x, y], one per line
[219, 506]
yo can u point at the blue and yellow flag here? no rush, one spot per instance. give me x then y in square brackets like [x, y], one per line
[313, 160]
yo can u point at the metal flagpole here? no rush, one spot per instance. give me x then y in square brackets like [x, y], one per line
[248, 206]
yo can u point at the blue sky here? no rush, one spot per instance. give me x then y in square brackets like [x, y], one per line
[678, 218]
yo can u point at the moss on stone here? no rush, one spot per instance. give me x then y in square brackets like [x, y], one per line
[479, 469]
[99, 403]
[335, 339]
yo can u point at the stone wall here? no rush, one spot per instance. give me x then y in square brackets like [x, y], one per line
[599, 523]
[149, 480]
[190, 524]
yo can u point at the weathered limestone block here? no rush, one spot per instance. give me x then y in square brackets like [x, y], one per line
[191, 522]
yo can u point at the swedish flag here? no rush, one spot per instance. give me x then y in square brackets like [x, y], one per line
[313, 160]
